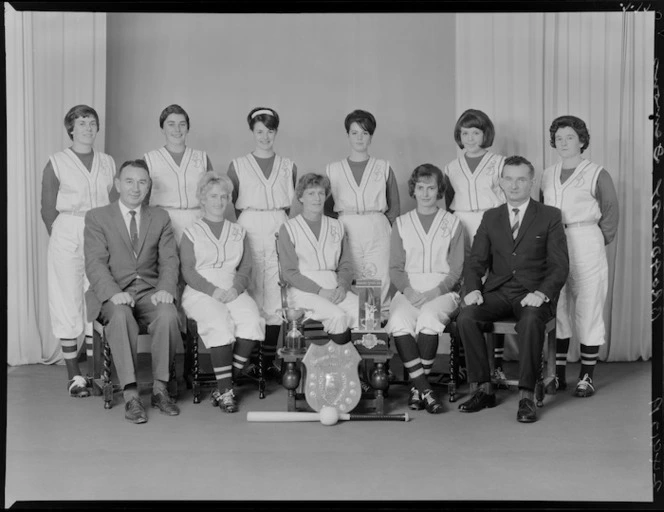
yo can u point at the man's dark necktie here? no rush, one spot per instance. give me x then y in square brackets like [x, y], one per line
[133, 231]
[515, 225]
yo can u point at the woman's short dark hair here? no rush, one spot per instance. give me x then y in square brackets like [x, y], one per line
[311, 180]
[140, 163]
[267, 116]
[426, 171]
[472, 118]
[173, 109]
[365, 119]
[76, 112]
[575, 124]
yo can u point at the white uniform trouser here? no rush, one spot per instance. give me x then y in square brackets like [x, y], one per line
[470, 221]
[67, 281]
[181, 219]
[581, 303]
[336, 318]
[264, 288]
[431, 318]
[218, 323]
[369, 242]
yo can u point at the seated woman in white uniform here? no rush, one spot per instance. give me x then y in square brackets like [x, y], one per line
[175, 170]
[315, 261]
[75, 180]
[264, 189]
[426, 260]
[216, 265]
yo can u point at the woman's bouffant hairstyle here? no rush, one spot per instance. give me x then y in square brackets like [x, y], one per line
[267, 116]
[76, 112]
[575, 124]
[472, 118]
[365, 119]
[311, 180]
[173, 109]
[426, 171]
[211, 178]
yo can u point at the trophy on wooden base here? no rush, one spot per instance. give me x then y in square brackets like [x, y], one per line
[294, 342]
[369, 336]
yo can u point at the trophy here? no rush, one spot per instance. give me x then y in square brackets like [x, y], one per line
[294, 342]
[368, 291]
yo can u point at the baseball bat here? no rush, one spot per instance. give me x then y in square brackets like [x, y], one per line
[327, 416]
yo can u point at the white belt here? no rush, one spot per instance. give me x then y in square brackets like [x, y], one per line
[75, 214]
[344, 212]
[579, 224]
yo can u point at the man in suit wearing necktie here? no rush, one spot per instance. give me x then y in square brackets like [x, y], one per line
[132, 264]
[523, 246]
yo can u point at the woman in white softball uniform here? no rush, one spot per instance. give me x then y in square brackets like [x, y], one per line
[175, 170]
[427, 251]
[365, 196]
[216, 265]
[74, 181]
[315, 262]
[585, 194]
[264, 187]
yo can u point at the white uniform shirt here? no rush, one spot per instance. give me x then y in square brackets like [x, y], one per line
[80, 189]
[479, 190]
[260, 193]
[223, 253]
[316, 254]
[369, 196]
[575, 198]
[427, 252]
[174, 186]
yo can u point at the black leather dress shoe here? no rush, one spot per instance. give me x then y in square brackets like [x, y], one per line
[165, 404]
[527, 411]
[478, 401]
[135, 412]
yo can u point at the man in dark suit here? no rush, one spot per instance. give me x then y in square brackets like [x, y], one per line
[132, 264]
[523, 246]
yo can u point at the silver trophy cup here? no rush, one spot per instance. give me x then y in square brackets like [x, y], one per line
[294, 339]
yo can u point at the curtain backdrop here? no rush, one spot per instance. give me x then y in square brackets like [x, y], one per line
[55, 60]
[524, 70]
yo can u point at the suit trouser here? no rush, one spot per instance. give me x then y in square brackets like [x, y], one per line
[473, 321]
[122, 332]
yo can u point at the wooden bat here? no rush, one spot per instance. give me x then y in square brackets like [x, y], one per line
[327, 416]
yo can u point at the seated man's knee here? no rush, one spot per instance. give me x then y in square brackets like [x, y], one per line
[167, 313]
[466, 315]
[119, 314]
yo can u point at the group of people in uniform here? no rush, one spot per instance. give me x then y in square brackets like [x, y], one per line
[332, 228]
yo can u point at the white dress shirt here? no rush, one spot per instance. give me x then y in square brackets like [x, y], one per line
[127, 217]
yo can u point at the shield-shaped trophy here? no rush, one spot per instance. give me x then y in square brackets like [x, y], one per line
[332, 376]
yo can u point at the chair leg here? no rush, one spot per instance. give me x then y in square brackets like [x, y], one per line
[291, 380]
[172, 381]
[261, 377]
[187, 343]
[539, 385]
[107, 387]
[380, 382]
[196, 385]
[454, 368]
[96, 363]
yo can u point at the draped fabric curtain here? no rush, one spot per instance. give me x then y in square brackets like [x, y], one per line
[55, 60]
[526, 69]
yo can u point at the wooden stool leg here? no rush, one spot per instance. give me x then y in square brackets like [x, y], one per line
[196, 385]
[291, 380]
[539, 385]
[454, 368]
[261, 378]
[97, 359]
[187, 342]
[380, 382]
[106, 376]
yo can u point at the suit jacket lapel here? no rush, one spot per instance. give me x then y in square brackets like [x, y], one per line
[504, 220]
[146, 217]
[121, 226]
[528, 219]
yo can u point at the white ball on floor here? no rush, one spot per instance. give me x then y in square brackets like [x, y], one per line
[328, 415]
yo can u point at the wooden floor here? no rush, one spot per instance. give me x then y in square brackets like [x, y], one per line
[596, 449]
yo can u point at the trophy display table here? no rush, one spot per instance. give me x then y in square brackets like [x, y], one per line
[373, 349]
